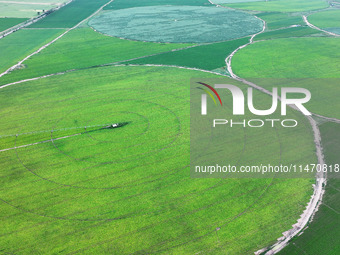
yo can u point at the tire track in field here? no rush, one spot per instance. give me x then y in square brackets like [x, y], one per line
[229, 220]
[53, 41]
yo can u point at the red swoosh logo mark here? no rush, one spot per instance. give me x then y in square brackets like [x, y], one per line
[212, 89]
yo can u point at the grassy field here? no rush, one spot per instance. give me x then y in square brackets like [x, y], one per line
[68, 53]
[21, 43]
[6, 23]
[177, 24]
[312, 58]
[128, 190]
[288, 32]
[62, 196]
[281, 5]
[122, 4]
[321, 235]
[208, 57]
[23, 10]
[275, 20]
[328, 20]
[70, 15]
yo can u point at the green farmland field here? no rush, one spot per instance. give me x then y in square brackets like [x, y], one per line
[281, 5]
[83, 48]
[234, 1]
[312, 58]
[288, 32]
[119, 191]
[70, 15]
[276, 20]
[22, 10]
[6, 23]
[18, 45]
[96, 144]
[328, 20]
[177, 24]
[208, 57]
[122, 4]
[321, 235]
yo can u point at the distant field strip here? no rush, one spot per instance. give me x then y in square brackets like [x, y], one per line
[18, 65]
[280, 5]
[68, 53]
[17, 2]
[71, 14]
[300, 31]
[273, 58]
[275, 20]
[328, 20]
[122, 4]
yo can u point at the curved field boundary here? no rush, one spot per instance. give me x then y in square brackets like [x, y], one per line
[327, 118]
[305, 19]
[54, 40]
[46, 141]
[110, 64]
[31, 21]
[316, 198]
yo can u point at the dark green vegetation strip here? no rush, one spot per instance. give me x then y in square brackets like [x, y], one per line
[322, 234]
[122, 4]
[18, 45]
[6, 23]
[276, 20]
[70, 15]
[288, 32]
[57, 197]
[206, 57]
[83, 48]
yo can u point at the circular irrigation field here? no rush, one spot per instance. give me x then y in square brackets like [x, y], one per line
[184, 24]
[131, 185]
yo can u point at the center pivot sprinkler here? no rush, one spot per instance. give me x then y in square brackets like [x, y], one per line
[116, 125]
